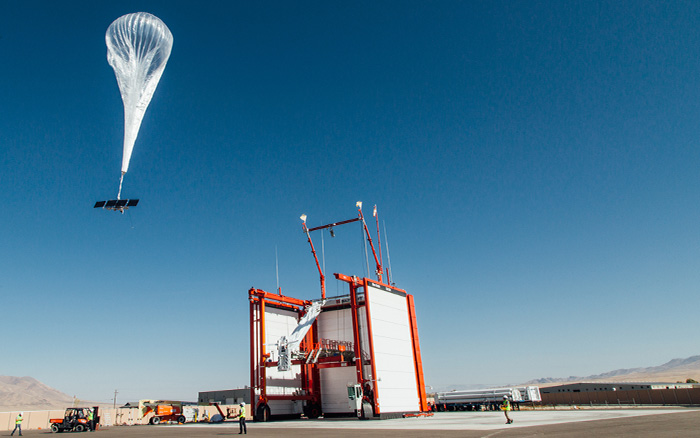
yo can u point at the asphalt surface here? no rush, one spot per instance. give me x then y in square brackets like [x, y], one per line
[572, 424]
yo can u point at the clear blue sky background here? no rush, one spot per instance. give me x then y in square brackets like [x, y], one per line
[536, 164]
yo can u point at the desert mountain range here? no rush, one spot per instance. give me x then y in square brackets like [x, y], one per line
[29, 394]
[673, 371]
[676, 370]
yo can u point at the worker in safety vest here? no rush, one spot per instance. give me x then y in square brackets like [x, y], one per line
[18, 424]
[506, 408]
[91, 424]
[241, 420]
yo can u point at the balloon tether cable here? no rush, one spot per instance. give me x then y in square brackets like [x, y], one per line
[121, 180]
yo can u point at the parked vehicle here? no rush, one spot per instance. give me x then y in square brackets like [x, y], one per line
[480, 399]
[76, 420]
[170, 411]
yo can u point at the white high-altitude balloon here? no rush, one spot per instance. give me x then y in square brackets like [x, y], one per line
[138, 47]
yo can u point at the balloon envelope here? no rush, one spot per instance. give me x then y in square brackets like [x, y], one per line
[138, 47]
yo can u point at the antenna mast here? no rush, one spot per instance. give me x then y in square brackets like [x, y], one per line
[388, 256]
[379, 241]
[378, 270]
[277, 271]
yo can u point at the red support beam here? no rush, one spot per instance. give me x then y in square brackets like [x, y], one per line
[253, 353]
[416, 354]
[371, 348]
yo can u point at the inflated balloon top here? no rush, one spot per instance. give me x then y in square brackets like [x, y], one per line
[138, 47]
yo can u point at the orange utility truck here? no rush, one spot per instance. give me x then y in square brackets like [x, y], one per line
[76, 420]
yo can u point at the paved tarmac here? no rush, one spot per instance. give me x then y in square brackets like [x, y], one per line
[637, 423]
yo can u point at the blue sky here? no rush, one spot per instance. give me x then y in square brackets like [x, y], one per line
[536, 165]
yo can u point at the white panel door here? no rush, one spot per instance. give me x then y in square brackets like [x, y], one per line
[396, 384]
[278, 323]
[334, 393]
[335, 325]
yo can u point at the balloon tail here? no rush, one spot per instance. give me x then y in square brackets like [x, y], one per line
[121, 180]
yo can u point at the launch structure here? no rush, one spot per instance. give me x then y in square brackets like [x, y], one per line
[351, 355]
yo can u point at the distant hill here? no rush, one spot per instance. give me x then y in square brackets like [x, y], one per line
[27, 393]
[672, 371]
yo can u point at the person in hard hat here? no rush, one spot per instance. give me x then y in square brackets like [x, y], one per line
[18, 424]
[91, 420]
[506, 408]
[241, 420]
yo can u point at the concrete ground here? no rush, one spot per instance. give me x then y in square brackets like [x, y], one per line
[579, 423]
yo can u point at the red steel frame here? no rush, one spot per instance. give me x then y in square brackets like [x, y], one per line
[310, 376]
[258, 358]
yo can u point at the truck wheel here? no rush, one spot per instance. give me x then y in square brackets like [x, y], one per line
[155, 420]
[313, 411]
[80, 428]
[55, 428]
[262, 413]
[181, 419]
[367, 411]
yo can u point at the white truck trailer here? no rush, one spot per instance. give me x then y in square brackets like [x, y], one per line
[484, 399]
[531, 394]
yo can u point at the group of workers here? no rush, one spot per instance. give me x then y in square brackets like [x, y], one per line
[89, 416]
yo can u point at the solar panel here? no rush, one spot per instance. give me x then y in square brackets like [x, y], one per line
[117, 204]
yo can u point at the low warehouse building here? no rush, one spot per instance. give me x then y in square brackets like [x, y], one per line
[627, 393]
[225, 397]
